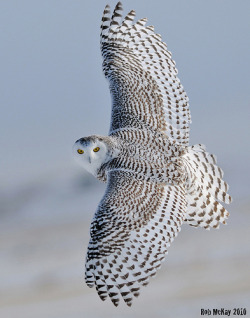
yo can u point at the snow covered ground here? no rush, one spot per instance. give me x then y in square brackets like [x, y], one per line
[44, 234]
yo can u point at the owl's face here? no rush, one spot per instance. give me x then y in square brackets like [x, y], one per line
[91, 152]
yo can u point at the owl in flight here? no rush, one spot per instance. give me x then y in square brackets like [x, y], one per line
[155, 180]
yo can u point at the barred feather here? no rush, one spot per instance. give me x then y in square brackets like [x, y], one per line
[143, 79]
[128, 245]
[207, 186]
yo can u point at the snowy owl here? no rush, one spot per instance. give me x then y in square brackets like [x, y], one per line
[155, 180]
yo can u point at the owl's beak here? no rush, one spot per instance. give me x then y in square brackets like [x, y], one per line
[89, 160]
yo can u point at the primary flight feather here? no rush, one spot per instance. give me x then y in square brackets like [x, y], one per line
[155, 180]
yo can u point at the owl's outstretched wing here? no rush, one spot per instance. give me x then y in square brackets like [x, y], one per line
[131, 231]
[145, 89]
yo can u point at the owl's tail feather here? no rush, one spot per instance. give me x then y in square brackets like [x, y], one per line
[205, 187]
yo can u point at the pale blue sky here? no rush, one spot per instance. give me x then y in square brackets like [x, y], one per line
[52, 90]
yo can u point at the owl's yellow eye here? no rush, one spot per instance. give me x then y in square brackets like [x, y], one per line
[96, 149]
[80, 151]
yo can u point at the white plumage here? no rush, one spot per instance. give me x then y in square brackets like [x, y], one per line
[155, 181]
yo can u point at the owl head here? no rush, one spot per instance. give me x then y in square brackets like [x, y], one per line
[93, 151]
